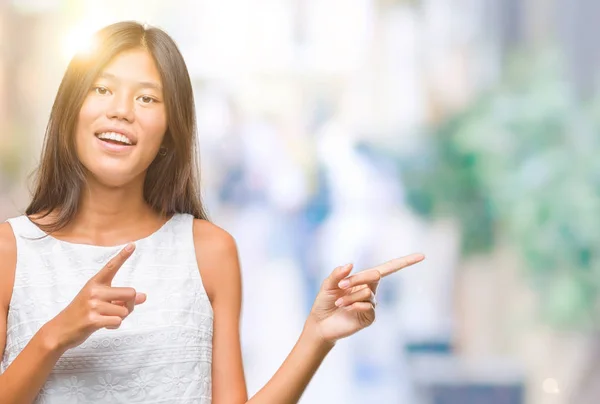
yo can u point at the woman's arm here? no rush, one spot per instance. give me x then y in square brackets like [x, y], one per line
[292, 378]
[26, 375]
[23, 379]
[217, 257]
[339, 311]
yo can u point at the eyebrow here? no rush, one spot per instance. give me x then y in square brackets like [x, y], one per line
[140, 84]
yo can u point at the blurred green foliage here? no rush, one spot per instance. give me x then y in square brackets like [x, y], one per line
[523, 163]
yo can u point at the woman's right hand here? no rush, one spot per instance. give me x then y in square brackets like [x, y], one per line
[97, 305]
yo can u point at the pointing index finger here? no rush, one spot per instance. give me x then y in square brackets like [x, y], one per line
[389, 267]
[108, 272]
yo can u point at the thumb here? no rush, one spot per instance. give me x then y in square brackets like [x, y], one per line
[331, 282]
[139, 299]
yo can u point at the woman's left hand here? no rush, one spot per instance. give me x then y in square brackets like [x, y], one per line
[346, 304]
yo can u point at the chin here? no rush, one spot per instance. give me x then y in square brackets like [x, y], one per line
[113, 177]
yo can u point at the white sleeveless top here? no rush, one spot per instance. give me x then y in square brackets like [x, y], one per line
[162, 351]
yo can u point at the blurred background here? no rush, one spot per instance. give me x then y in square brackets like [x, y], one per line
[336, 131]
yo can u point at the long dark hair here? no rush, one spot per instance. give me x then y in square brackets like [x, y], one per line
[172, 181]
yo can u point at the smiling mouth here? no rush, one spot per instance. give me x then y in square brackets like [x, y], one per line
[114, 138]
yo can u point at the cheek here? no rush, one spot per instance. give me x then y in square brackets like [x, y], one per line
[154, 126]
[87, 109]
[91, 109]
[87, 115]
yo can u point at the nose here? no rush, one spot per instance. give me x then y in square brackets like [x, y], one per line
[121, 108]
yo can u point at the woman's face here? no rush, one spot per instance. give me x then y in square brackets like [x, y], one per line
[123, 120]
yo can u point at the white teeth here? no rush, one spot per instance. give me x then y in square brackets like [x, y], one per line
[114, 136]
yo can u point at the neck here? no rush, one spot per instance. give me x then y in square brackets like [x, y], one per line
[107, 214]
[108, 208]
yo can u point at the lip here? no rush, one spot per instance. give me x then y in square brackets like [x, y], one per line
[113, 148]
[123, 132]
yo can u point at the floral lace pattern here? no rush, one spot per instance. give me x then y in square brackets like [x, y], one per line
[162, 353]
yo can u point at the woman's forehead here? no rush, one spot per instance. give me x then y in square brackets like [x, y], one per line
[135, 67]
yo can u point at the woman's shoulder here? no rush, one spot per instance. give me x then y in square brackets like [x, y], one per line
[8, 262]
[208, 236]
[8, 245]
[217, 256]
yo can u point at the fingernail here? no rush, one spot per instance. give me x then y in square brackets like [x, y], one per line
[129, 247]
[344, 283]
[339, 302]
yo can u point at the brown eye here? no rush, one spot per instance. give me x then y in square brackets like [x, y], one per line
[100, 90]
[146, 99]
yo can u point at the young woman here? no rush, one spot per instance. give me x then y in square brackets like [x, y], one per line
[115, 222]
